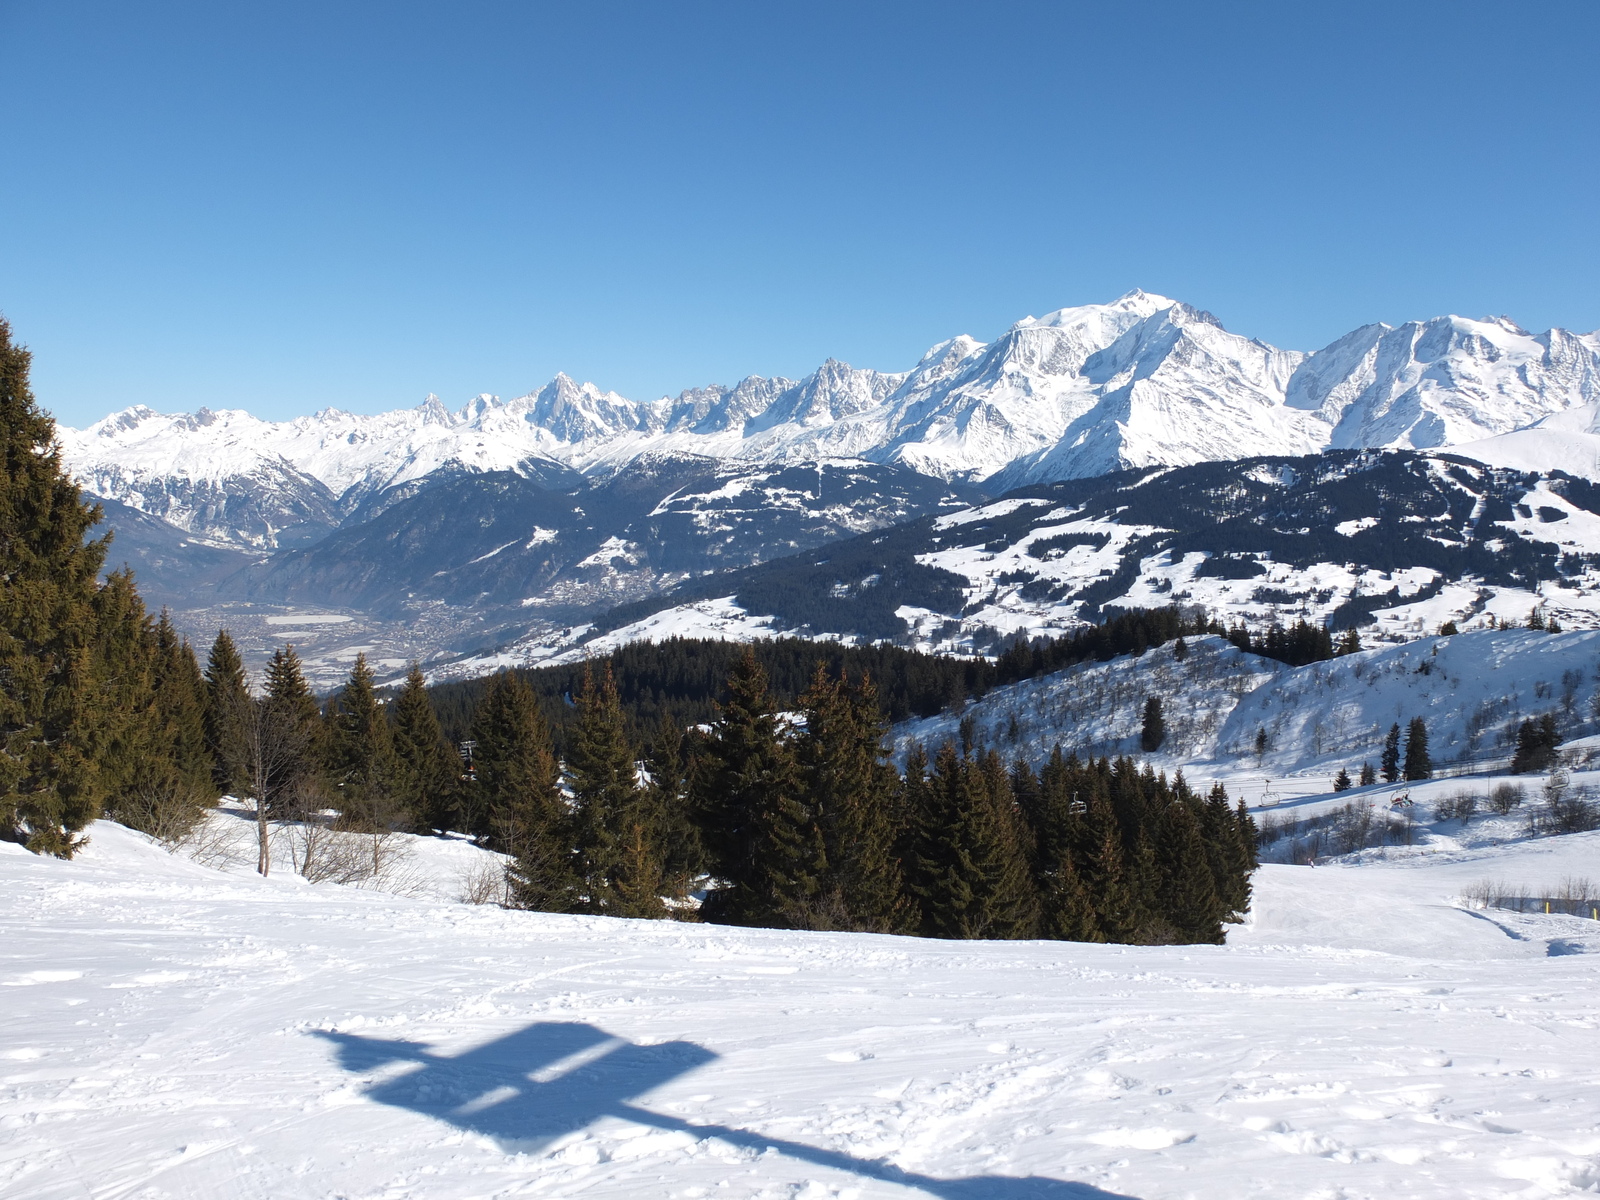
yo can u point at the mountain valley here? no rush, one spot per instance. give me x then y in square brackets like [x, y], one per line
[508, 530]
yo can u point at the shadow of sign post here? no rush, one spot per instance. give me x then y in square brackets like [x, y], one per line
[550, 1079]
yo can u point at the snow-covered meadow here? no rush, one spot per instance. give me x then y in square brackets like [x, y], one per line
[177, 1031]
[1472, 689]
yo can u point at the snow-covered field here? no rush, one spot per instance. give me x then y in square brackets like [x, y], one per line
[176, 1031]
[718, 619]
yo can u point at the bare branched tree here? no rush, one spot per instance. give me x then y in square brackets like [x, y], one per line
[275, 749]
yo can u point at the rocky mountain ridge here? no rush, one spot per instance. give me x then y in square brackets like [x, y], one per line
[1074, 394]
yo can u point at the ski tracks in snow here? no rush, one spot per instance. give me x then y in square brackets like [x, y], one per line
[178, 1032]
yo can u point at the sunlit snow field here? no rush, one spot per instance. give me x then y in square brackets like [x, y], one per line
[173, 1030]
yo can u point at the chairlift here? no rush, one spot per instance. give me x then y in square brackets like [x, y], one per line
[1402, 801]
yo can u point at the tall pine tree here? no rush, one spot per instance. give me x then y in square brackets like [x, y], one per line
[54, 713]
[763, 843]
[1389, 763]
[1232, 860]
[427, 770]
[227, 701]
[1153, 729]
[1189, 906]
[519, 796]
[1419, 763]
[851, 791]
[618, 864]
[683, 857]
[168, 780]
[292, 779]
[361, 764]
[972, 878]
[1057, 818]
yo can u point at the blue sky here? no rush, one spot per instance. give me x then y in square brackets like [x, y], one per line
[283, 207]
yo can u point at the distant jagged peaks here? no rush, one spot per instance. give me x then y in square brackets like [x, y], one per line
[1143, 380]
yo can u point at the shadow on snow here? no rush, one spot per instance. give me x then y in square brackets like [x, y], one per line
[533, 1086]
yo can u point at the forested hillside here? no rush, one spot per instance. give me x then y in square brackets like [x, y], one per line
[1398, 542]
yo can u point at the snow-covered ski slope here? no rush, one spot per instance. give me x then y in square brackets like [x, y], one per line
[1472, 690]
[173, 1031]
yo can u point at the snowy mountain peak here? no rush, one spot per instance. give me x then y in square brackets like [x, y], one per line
[1137, 303]
[433, 411]
[1078, 391]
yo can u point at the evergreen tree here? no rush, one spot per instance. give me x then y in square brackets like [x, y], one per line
[1248, 834]
[763, 843]
[1136, 802]
[181, 700]
[1418, 763]
[850, 789]
[639, 884]
[360, 754]
[1187, 896]
[518, 802]
[123, 663]
[227, 714]
[1180, 650]
[1014, 902]
[975, 883]
[1230, 842]
[295, 779]
[1536, 745]
[913, 848]
[1066, 906]
[1117, 909]
[54, 714]
[1349, 642]
[683, 857]
[1389, 763]
[1368, 775]
[168, 782]
[1341, 781]
[1154, 729]
[427, 769]
[614, 840]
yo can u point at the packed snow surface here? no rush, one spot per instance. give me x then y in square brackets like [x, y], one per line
[176, 1031]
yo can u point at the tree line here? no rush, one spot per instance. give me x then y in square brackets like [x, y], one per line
[799, 820]
[678, 680]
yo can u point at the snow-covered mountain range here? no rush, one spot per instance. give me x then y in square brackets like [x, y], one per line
[1076, 393]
